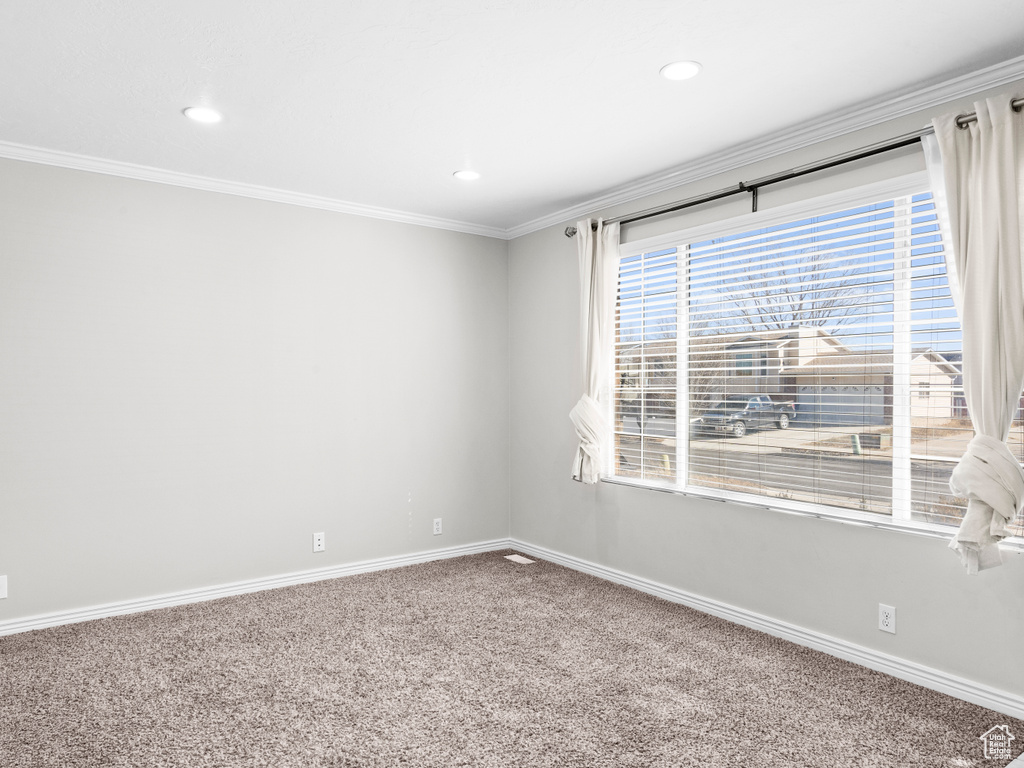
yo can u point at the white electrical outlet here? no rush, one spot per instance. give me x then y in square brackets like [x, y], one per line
[887, 618]
[3, 587]
[318, 542]
[437, 526]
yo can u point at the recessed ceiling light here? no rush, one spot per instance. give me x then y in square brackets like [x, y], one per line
[466, 175]
[202, 114]
[681, 70]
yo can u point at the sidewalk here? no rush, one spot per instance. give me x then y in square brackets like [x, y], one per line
[779, 440]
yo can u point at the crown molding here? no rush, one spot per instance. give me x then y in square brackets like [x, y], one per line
[12, 151]
[864, 115]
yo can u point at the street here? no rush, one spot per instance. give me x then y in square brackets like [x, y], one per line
[798, 464]
[814, 477]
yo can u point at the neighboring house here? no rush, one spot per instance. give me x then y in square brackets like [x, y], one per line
[857, 387]
[935, 385]
[763, 363]
[959, 400]
[829, 382]
[832, 383]
[646, 381]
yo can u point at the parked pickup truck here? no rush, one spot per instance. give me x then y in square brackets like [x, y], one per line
[737, 414]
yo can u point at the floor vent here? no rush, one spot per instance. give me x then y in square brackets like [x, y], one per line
[518, 559]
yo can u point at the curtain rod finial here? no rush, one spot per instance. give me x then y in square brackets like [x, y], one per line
[570, 231]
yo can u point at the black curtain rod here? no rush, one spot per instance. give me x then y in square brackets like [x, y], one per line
[752, 186]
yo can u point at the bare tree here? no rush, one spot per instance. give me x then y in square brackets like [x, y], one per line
[757, 295]
[707, 370]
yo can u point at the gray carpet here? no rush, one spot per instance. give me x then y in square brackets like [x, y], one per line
[476, 661]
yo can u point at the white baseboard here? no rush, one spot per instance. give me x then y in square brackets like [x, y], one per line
[58, 618]
[936, 680]
[927, 677]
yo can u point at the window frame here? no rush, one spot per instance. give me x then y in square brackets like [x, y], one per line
[900, 520]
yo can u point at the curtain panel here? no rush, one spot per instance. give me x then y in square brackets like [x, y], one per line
[978, 172]
[598, 251]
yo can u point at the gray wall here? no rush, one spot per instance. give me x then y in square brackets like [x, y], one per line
[191, 384]
[825, 576]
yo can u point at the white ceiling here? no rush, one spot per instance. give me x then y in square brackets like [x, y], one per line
[374, 103]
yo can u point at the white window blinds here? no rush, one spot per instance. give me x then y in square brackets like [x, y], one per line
[813, 361]
[646, 323]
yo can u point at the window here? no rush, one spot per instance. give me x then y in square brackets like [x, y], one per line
[808, 356]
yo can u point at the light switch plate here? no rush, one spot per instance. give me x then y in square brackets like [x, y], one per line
[3, 587]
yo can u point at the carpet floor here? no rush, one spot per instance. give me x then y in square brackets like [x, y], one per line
[474, 661]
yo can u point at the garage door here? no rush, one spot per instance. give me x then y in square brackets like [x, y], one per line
[841, 405]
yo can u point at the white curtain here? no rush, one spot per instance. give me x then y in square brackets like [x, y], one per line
[598, 254]
[978, 173]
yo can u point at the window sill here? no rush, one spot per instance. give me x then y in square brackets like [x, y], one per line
[1014, 544]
